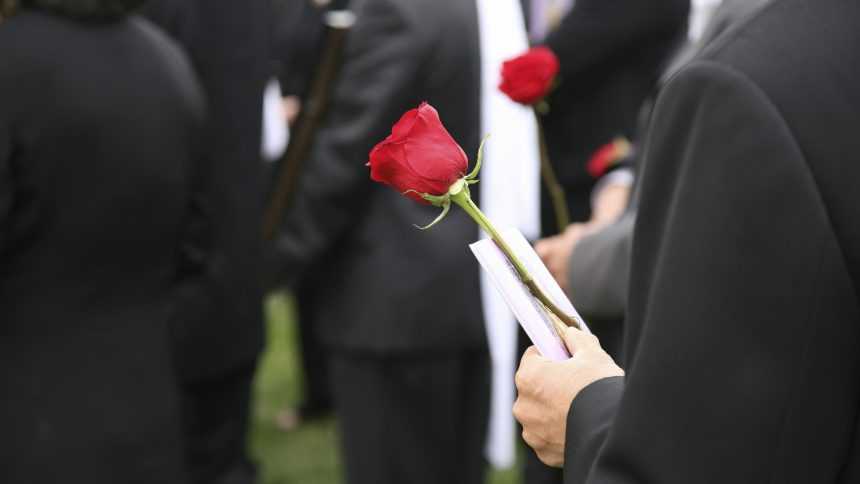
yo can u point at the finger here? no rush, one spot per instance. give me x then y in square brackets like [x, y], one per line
[526, 359]
[544, 249]
[531, 352]
[533, 440]
[550, 459]
[577, 340]
[517, 409]
[573, 231]
[530, 358]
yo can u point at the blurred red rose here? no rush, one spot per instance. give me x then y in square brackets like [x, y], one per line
[607, 156]
[528, 78]
[418, 156]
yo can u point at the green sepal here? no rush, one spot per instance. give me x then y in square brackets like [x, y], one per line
[446, 206]
[436, 201]
[478, 161]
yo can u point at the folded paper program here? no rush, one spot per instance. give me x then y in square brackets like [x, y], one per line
[532, 315]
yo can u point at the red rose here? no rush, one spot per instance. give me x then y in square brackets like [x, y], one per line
[607, 156]
[528, 78]
[419, 156]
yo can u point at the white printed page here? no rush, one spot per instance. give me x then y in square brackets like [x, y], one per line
[528, 311]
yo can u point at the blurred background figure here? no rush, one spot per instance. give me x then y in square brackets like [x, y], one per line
[219, 336]
[592, 261]
[348, 247]
[299, 42]
[611, 56]
[594, 264]
[100, 225]
[394, 307]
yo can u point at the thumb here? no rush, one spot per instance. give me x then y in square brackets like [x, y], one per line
[577, 340]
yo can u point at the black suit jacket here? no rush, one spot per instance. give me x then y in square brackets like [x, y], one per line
[228, 43]
[744, 324]
[98, 128]
[611, 54]
[297, 43]
[378, 283]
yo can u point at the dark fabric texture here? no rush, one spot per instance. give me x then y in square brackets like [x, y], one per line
[317, 393]
[599, 271]
[611, 54]
[85, 10]
[741, 343]
[218, 330]
[384, 285]
[228, 45]
[98, 129]
[413, 418]
[297, 44]
[600, 266]
[216, 417]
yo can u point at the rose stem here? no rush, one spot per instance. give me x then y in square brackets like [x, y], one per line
[550, 179]
[463, 199]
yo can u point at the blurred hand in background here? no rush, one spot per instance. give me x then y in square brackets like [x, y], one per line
[556, 251]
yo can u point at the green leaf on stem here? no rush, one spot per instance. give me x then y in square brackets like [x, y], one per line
[446, 206]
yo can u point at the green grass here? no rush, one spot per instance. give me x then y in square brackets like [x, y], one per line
[307, 455]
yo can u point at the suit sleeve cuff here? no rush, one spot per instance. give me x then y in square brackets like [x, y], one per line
[588, 422]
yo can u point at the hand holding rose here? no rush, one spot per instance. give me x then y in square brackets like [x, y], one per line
[422, 161]
[546, 390]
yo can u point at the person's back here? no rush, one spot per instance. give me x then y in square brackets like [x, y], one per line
[97, 133]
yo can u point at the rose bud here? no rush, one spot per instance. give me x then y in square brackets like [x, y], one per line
[528, 78]
[421, 160]
[419, 157]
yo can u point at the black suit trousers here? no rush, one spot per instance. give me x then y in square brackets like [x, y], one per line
[412, 419]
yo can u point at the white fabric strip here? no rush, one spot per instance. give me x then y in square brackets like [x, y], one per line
[510, 197]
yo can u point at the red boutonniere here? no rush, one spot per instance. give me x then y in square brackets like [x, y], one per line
[608, 156]
[422, 161]
[528, 78]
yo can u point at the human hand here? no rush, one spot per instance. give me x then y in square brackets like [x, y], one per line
[556, 251]
[547, 388]
[292, 107]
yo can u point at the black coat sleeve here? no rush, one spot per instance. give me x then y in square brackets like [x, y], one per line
[596, 31]
[6, 113]
[383, 56]
[740, 305]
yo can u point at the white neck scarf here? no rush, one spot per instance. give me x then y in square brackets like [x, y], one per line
[510, 196]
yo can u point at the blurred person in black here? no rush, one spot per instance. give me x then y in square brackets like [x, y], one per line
[397, 309]
[219, 341]
[594, 262]
[611, 54]
[100, 224]
[298, 41]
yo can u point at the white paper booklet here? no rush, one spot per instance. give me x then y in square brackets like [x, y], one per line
[528, 311]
